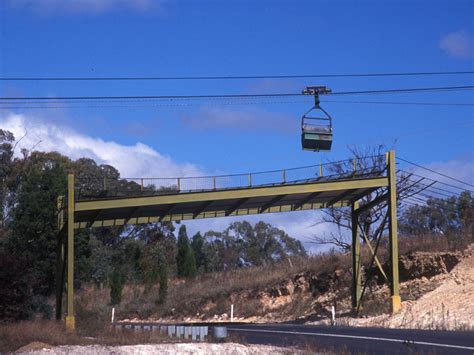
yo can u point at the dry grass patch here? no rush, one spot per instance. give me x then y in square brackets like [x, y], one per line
[39, 334]
[210, 295]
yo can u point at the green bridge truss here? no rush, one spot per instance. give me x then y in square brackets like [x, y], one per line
[136, 201]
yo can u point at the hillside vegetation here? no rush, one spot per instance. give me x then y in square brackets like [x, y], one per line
[301, 289]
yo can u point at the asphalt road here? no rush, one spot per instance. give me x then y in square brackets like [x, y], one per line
[356, 340]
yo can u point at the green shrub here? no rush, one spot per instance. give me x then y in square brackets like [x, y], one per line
[116, 287]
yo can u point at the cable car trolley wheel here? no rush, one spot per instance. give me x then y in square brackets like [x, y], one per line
[316, 123]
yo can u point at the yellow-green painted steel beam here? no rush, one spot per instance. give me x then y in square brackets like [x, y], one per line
[270, 203]
[236, 206]
[230, 194]
[208, 214]
[340, 197]
[373, 203]
[305, 200]
[373, 252]
[60, 258]
[356, 266]
[393, 231]
[70, 319]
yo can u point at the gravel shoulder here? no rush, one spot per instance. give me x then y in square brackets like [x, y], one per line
[181, 348]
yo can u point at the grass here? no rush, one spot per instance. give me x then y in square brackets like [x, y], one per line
[250, 280]
[16, 335]
[209, 295]
[212, 294]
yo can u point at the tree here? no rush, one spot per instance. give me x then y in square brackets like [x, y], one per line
[264, 244]
[133, 251]
[15, 287]
[451, 216]
[161, 234]
[190, 269]
[222, 251]
[366, 162]
[154, 268]
[185, 260]
[6, 161]
[163, 278]
[197, 245]
[242, 244]
[117, 280]
[33, 227]
[100, 261]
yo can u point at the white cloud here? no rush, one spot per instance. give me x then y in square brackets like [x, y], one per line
[137, 160]
[458, 44]
[50, 7]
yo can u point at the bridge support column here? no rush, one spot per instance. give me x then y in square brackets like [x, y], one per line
[393, 230]
[70, 319]
[356, 270]
[60, 259]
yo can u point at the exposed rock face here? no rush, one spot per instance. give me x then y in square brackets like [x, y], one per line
[310, 295]
[307, 282]
[449, 306]
[422, 264]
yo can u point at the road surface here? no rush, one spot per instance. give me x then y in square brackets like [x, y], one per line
[356, 340]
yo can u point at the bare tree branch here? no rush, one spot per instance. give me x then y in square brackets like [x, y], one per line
[366, 162]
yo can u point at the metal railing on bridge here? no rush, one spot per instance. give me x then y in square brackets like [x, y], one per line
[105, 187]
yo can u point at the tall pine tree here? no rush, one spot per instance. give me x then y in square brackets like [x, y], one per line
[185, 260]
[197, 245]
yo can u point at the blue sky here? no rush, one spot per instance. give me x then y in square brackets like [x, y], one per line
[194, 38]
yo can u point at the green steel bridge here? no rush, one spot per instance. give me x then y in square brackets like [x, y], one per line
[92, 203]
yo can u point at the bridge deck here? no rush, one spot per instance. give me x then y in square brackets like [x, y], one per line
[169, 206]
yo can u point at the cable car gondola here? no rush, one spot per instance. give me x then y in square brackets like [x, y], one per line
[316, 123]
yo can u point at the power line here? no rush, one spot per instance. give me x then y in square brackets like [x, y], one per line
[238, 96]
[439, 182]
[420, 182]
[132, 104]
[422, 187]
[401, 103]
[156, 103]
[399, 91]
[432, 188]
[234, 77]
[417, 200]
[436, 172]
[435, 202]
[156, 97]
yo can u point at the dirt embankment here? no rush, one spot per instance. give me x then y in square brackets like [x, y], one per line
[446, 298]
[436, 289]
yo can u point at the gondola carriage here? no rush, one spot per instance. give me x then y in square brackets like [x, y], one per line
[316, 123]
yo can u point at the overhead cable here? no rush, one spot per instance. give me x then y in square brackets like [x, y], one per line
[232, 77]
[436, 172]
[439, 182]
[237, 96]
[156, 103]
